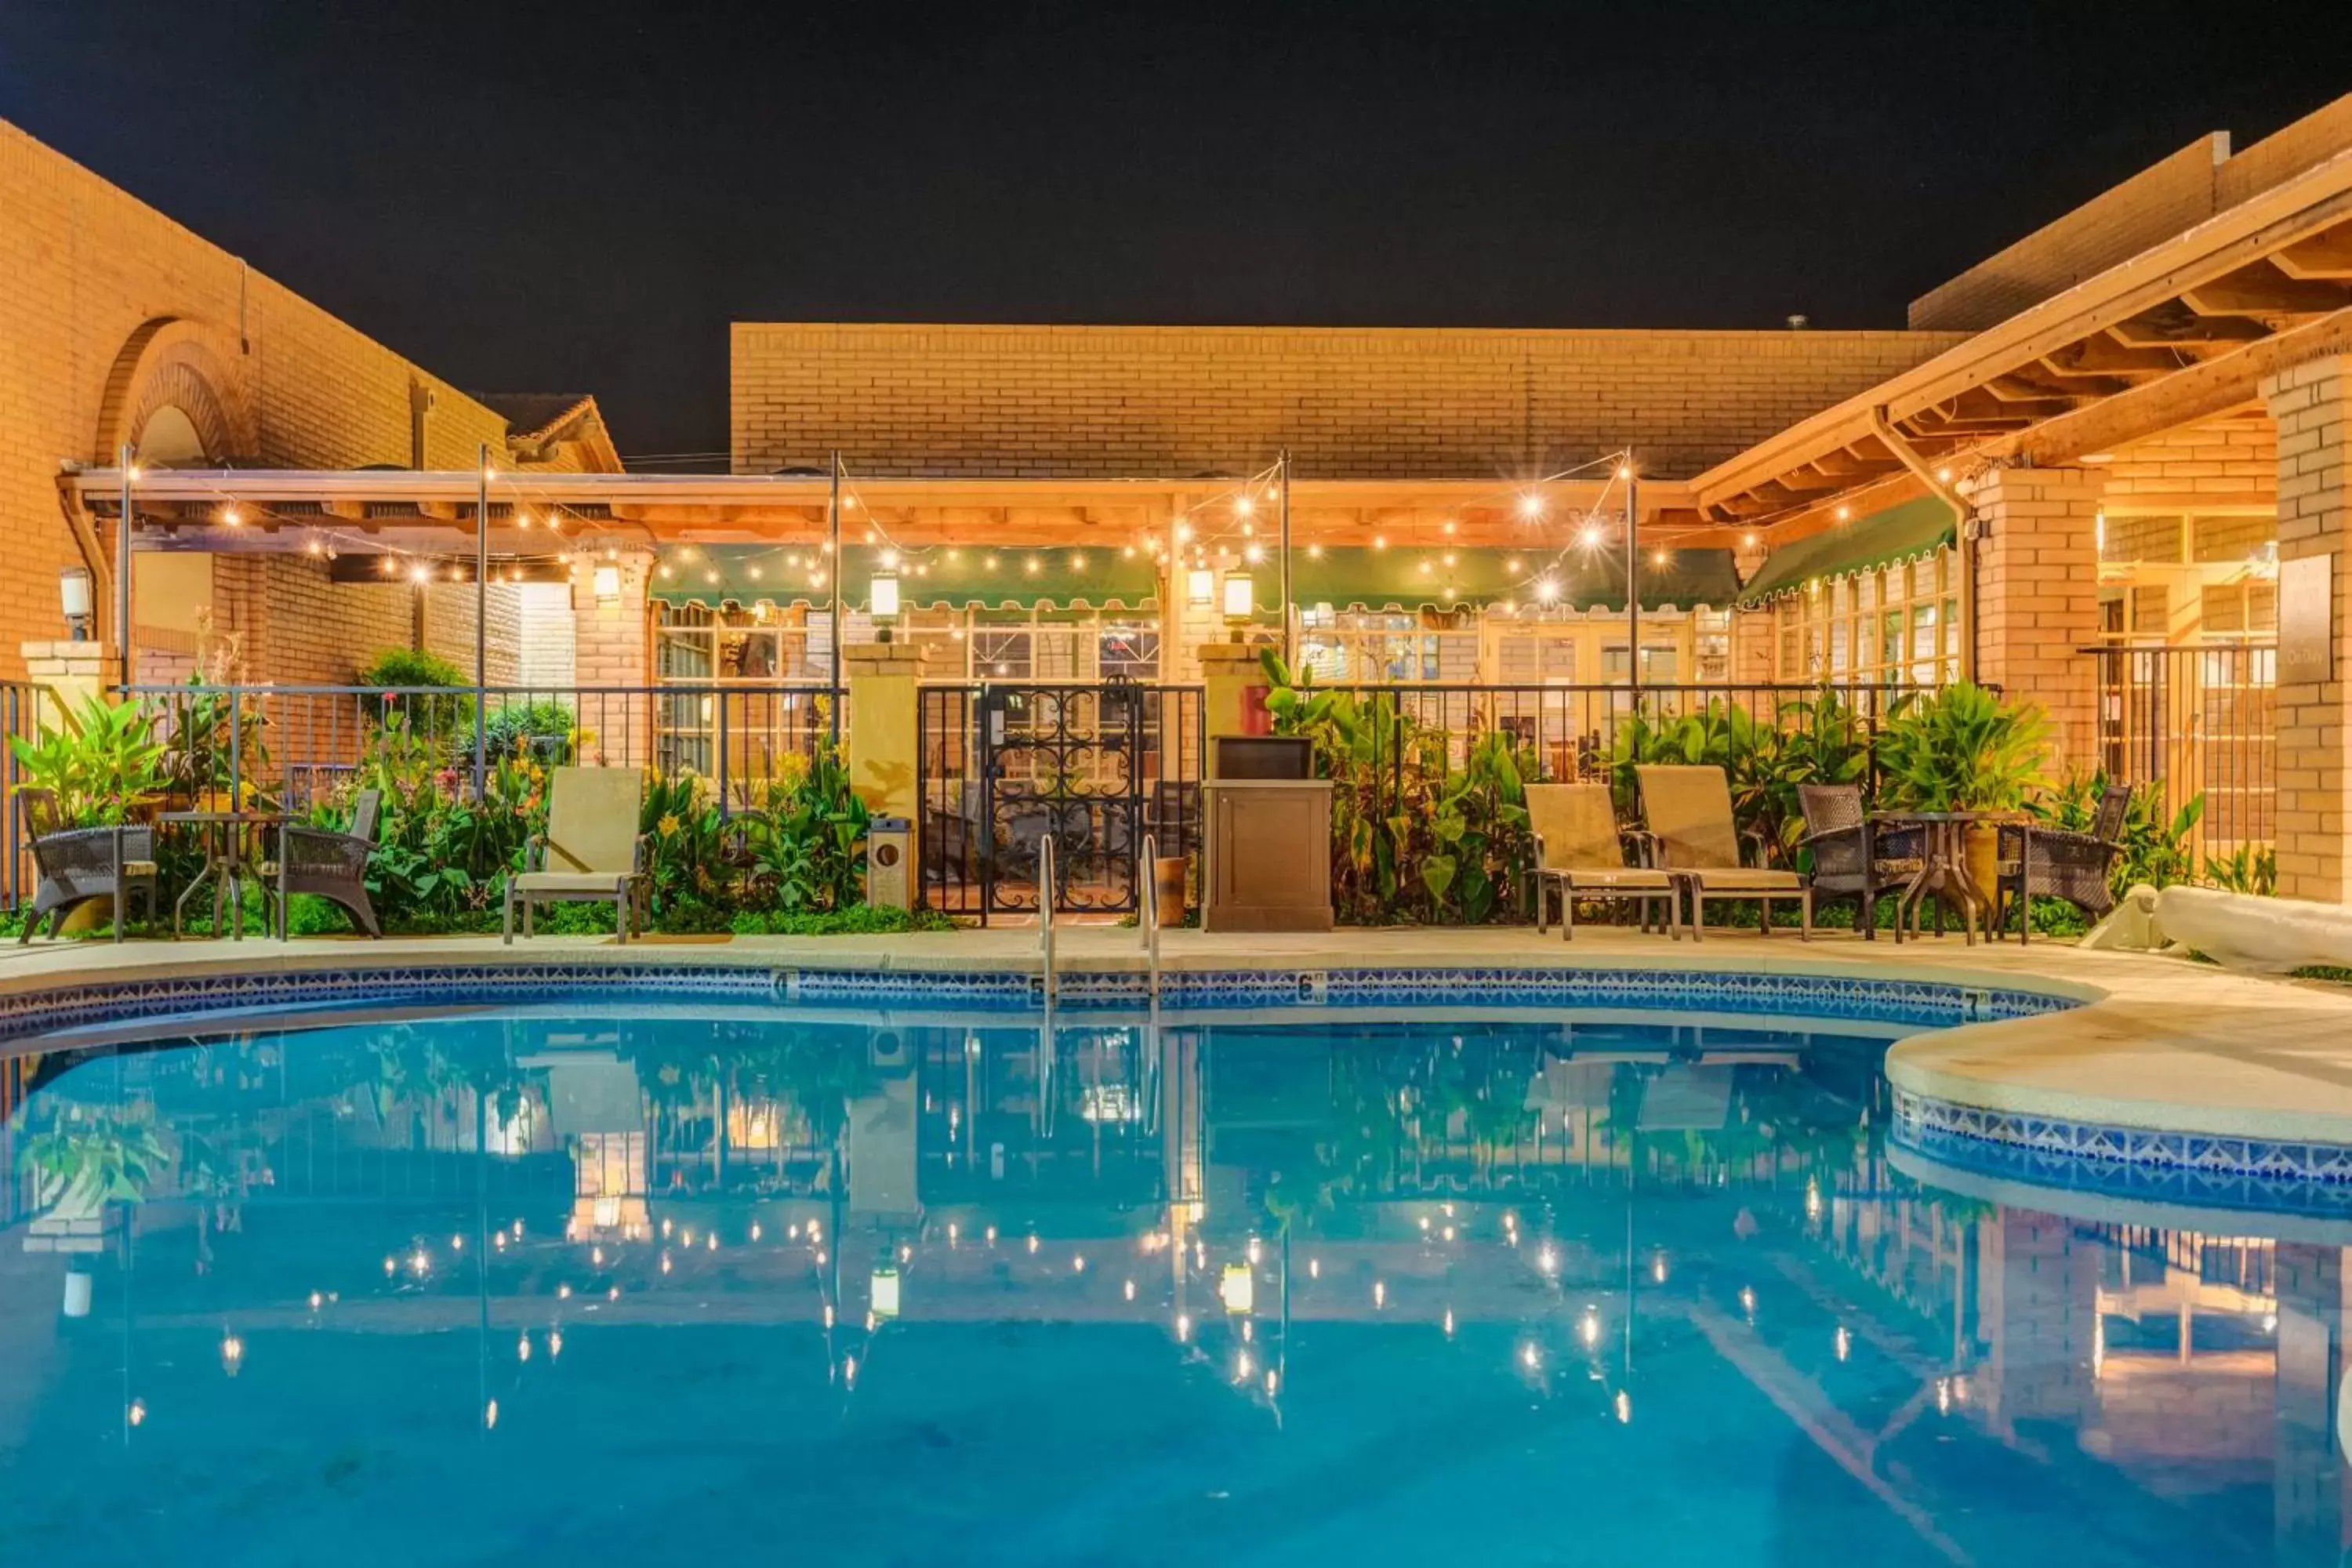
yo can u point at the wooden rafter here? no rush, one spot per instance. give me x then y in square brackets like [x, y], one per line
[2323, 255]
[2266, 293]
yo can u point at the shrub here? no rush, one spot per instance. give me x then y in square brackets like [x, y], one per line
[435, 717]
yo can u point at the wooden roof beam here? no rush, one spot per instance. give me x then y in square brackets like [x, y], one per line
[2102, 358]
[2323, 255]
[2264, 293]
[2172, 327]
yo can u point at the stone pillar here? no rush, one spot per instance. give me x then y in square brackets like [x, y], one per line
[1227, 671]
[613, 649]
[884, 736]
[2312, 403]
[2038, 598]
[67, 674]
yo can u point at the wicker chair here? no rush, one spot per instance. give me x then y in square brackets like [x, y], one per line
[1852, 857]
[77, 863]
[2052, 863]
[331, 865]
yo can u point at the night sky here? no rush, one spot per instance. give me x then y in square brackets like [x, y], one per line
[581, 196]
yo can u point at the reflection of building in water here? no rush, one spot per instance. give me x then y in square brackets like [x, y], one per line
[596, 1106]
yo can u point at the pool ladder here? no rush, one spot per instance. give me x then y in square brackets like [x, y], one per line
[1148, 908]
[1046, 870]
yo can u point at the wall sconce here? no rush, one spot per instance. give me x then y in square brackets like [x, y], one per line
[883, 601]
[607, 582]
[1241, 599]
[75, 598]
[1200, 585]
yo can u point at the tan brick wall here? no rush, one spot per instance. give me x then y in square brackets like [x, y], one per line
[2279, 157]
[2313, 406]
[612, 646]
[2038, 597]
[449, 629]
[1124, 402]
[85, 270]
[2224, 462]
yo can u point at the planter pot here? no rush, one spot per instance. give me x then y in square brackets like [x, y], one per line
[1168, 875]
[1984, 849]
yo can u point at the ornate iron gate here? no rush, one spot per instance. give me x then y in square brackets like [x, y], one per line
[1097, 765]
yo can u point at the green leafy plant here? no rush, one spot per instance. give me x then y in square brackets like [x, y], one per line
[87, 1156]
[543, 728]
[2157, 845]
[2249, 868]
[442, 719]
[1961, 749]
[215, 747]
[104, 763]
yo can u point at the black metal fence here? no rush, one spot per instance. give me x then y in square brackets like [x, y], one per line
[2196, 721]
[298, 742]
[25, 710]
[1097, 765]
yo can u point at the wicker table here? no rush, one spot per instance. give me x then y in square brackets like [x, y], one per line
[1943, 865]
[228, 861]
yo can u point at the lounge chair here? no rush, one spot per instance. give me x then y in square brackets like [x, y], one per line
[1687, 814]
[1854, 858]
[2052, 863]
[592, 849]
[331, 865]
[1580, 854]
[77, 863]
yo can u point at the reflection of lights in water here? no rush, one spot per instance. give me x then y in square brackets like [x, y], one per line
[1747, 1299]
[1624, 1402]
[1249, 1330]
[614, 1294]
[391, 1266]
[906, 1253]
[1380, 1293]
[1078, 1264]
[1254, 1252]
[1098, 1102]
[820, 1258]
[317, 1300]
[988, 1236]
[1547, 1260]
[664, 1260]
[490, 1417]
[596, 1255]
[1449, 1322]
[1842, 1342]
[137, 1414]
[849, 1371]
[1588, 1328]
[1447, 1233]
[1130, 1290]
[710, 1242]
[522, 1348]
[1813, 1199]
[1237, 1288]
[686, 1237]
[755, 1230]
[457, 1244]
[1183, 1326]
[951, 1233]
[498, 1240]
[1658, 1268]
[555, 1344]
[2270, 1322]
[516, 1228]
[1273, 1382]
[872, 1322]
[1314, 1268]
[1425, 1225]
[1242, 1366]
[232, 1355]
[816, 1234]
[792, 1231]
[1943, 1397]
[828, 1314]
[1530, 1357]
[1510, 1220]
[563, 1292]
[422, 1261]
[666, 1230]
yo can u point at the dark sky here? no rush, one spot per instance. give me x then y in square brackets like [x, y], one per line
[531, 197]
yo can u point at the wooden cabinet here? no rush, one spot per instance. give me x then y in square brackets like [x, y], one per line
[1268, 855]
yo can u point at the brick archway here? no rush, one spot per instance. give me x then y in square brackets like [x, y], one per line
[178, 365]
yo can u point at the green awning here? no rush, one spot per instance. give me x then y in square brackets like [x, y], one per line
[1416, 577]
[1902, 532]
[959, 578]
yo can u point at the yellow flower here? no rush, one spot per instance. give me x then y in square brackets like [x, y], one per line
[668, 825]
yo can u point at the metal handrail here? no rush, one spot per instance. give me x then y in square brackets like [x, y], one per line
[1149, 903]
[1045, 909]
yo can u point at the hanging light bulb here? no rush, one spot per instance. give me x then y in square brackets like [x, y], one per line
[1531, 505]
[1244, 507]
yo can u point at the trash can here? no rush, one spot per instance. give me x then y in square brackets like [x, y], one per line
[890, 862]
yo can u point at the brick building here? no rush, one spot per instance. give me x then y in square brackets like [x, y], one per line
[2125, 430]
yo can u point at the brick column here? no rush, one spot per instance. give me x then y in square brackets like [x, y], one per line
[2038, 598]
[2312, 403]
[612, 649]
[1227, 670]
[885, 734]
[68, 674]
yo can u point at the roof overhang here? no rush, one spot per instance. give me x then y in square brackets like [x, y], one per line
[2183, 332]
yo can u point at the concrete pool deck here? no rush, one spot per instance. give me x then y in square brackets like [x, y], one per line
[2162, 1044]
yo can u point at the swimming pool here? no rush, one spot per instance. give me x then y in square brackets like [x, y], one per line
[651, 1278]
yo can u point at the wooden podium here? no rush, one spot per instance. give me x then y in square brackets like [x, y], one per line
[1266, 840]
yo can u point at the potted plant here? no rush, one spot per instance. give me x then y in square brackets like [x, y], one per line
[1963, 749]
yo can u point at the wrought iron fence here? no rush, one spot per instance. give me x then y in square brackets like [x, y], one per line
[25, 710]
[299, 743]
[1097, 765]
[2196, 721]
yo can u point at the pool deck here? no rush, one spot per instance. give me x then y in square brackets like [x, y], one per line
[2164, 1044]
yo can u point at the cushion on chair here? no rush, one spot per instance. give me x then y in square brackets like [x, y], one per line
[1632, 879]
[602, 883]
[1744, 880]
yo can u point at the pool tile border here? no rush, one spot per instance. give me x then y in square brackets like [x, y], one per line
[37, 1010]
[2210, 1166]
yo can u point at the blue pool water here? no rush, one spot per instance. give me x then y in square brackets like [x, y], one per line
[655, 1284]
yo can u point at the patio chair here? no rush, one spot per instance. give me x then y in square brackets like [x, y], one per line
[1853, 857]
[591, 852]
[331, 865]
[1687, 820]
[2052, 863]
[73, 865]
[1580, 854]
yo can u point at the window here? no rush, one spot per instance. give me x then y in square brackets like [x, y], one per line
[1893, 624]
[1363, 647]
